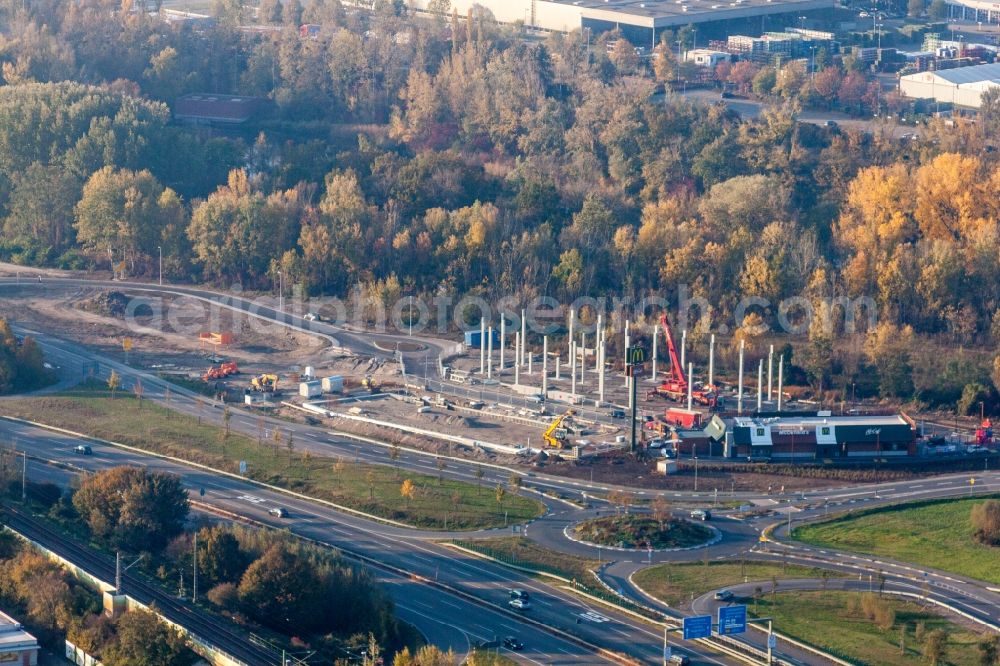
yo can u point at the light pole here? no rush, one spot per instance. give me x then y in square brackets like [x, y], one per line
[159, 249]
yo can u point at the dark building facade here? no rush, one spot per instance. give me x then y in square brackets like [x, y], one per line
[822, 437]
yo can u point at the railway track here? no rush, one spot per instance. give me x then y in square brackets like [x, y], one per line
[205, 628]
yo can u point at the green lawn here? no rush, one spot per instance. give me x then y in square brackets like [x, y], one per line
[934, 534]
[678, 584]
[371, 488]
[833, 621]
[526, 553]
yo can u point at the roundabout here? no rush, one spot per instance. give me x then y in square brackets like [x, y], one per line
[641, 532]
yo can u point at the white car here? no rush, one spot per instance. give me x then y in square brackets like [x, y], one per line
[519, 604]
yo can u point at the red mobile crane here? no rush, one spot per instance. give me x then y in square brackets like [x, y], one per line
[675, 386]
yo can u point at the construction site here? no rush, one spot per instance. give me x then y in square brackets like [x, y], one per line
[566, 401]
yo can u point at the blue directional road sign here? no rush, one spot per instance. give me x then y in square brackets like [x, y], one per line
[699, 626]
[732, 620]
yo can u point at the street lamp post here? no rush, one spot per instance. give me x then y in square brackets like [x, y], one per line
[159, 248]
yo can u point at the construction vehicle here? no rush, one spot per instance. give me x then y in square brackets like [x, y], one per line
[984, 433]
[220, 371]
[675, 386]
[556, 436]
[368, 383]
[265, 383]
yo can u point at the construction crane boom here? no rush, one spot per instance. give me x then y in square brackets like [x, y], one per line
[551, 436]
[676, 367]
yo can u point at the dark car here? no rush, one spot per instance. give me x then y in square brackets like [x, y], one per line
[83, 449]
[519, 594]
[512, 643]
[727, 95]
[617, 413]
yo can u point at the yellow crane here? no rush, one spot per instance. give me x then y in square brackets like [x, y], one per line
[555, 435]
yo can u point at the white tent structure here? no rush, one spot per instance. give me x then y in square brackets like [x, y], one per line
[962, 86]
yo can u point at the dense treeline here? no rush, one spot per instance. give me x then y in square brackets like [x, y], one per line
[484, 164]
[259, 577]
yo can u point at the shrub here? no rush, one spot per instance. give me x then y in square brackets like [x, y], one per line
[225, 596]
[985, 518]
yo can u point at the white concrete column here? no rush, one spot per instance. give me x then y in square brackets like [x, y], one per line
[524, 337]
[489, 353]
[760, 384]
[599, 353]
[558, 363]
[684, 339]
[656, 330]
[482, 345]
[503, 342]
[739, 395]
[711, 360]
[781, 372]
[517, 366]
[690, 386]
[770, 372]
[545, 366]
[531, 361]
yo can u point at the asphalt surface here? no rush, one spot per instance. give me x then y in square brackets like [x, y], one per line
[414, 551]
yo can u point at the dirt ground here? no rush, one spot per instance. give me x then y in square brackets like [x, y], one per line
[170, 343]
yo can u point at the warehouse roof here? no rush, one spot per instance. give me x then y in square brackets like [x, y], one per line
[660, 13]
[811, 420]
[13, 636]
[966, 75]
[215, 108]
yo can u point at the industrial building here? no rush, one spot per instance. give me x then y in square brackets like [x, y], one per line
[214, 109]
[17, 646]
[980, 11]
[640, 21]
[822, 437]
[962, 86]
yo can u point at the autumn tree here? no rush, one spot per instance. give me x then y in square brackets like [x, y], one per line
[124, 214]
[220, 559]
[283, 589]
[142, 639]
[132, 508]
[408, 491]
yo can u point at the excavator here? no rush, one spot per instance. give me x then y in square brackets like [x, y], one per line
[220, 371]
[675, 386]
[555, 435]
[368, 383]
[264, 383]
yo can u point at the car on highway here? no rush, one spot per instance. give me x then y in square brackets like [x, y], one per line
[701, 514]
[513, 643]
[519, 594]
[723, 595]
[83, 449]
[279, 512]
[829, 123]
[679, 659]
[519, 604]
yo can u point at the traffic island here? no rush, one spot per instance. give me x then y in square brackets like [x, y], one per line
[642, 532]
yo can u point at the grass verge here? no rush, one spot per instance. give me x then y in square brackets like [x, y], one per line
[275, 459]
[934, 534]
[678, 584]
[837, 623]
[525, 553]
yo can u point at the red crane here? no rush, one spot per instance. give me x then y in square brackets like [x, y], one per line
[675, 386]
